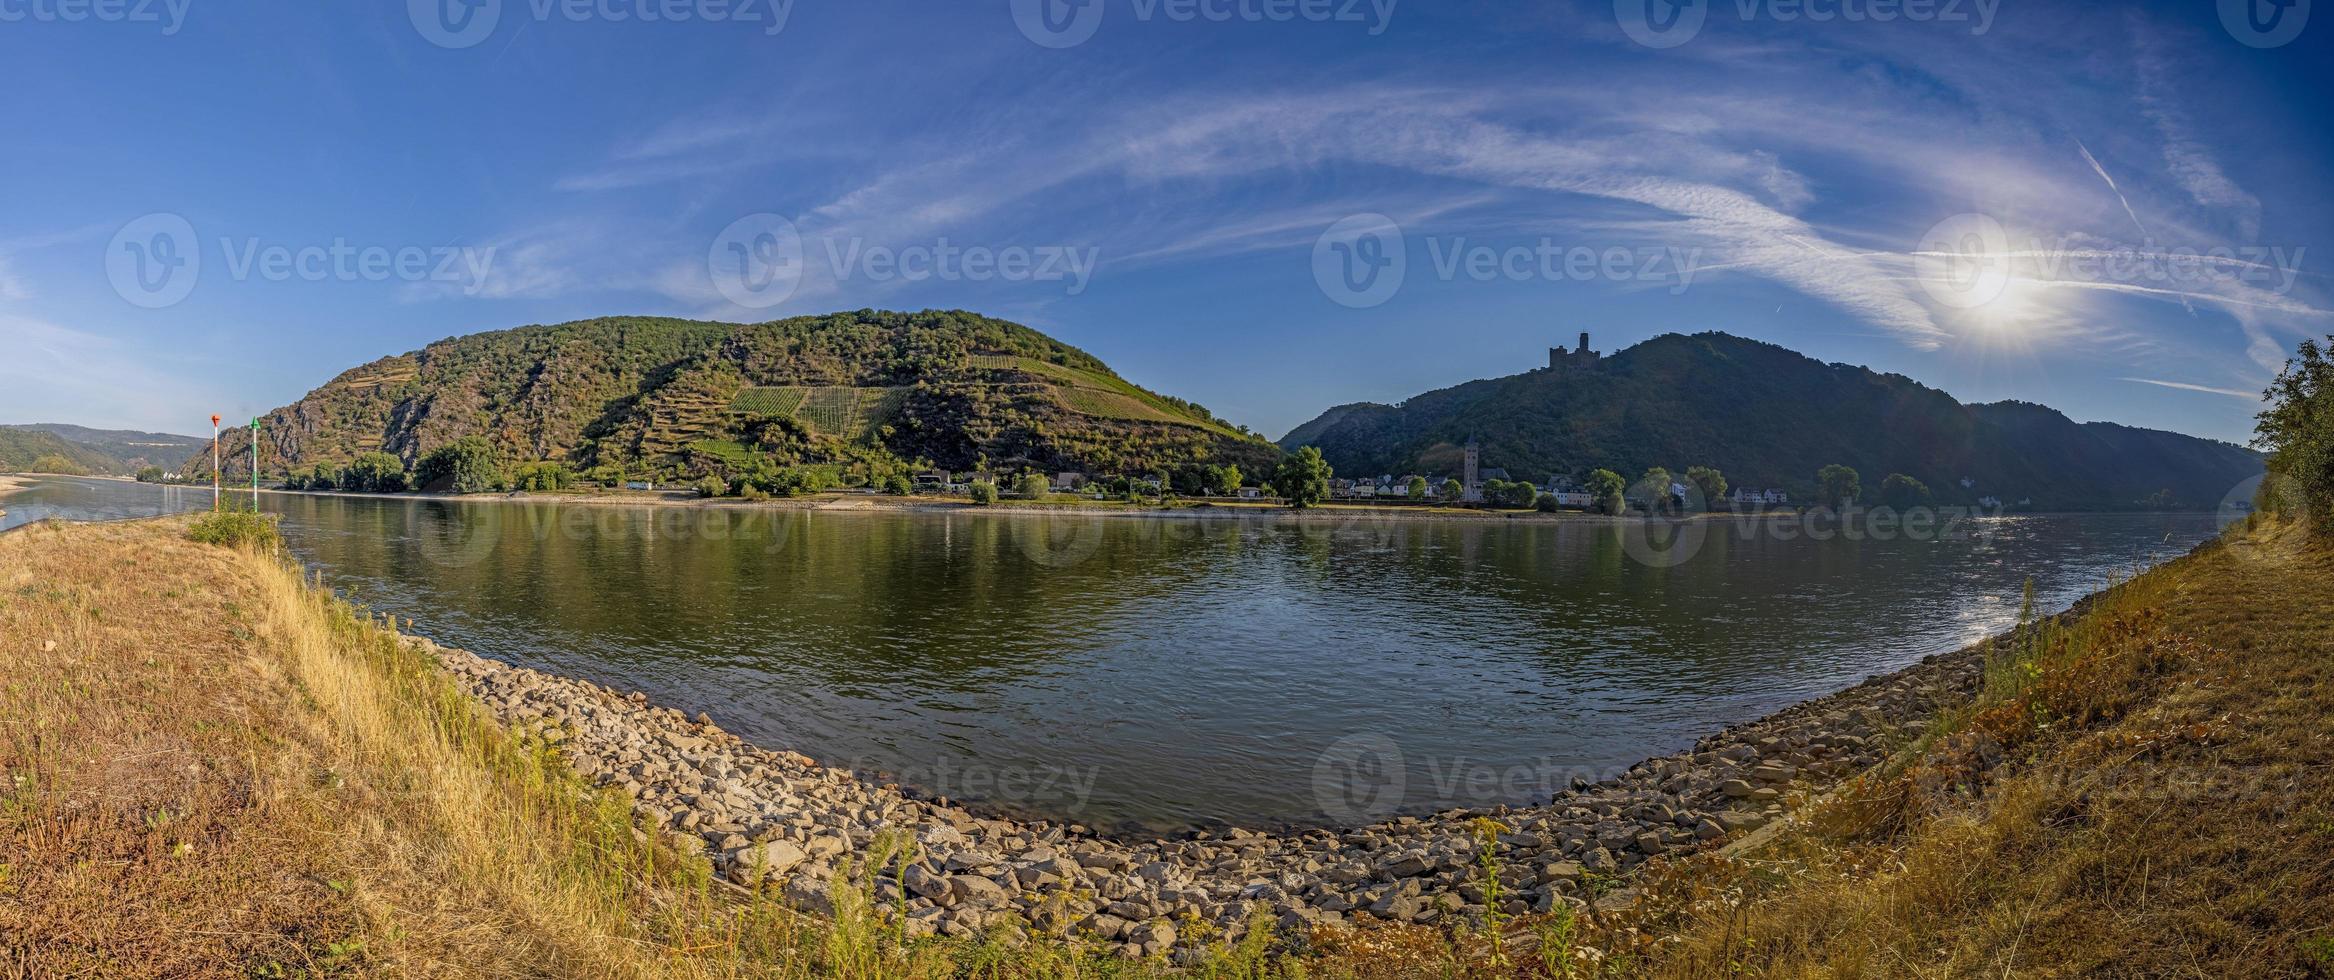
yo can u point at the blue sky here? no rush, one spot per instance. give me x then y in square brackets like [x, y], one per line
[2118, 212]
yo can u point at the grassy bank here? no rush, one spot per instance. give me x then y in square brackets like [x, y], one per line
[208, 768]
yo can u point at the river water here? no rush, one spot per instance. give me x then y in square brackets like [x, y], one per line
[1167, 672]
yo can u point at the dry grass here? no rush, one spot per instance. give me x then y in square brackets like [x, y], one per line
[207, 768]
[2142, 791]
[210, 768]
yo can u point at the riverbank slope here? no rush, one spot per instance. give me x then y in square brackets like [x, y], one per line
[212, 769]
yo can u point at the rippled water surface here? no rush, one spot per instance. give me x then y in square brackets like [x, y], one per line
[1166, 672]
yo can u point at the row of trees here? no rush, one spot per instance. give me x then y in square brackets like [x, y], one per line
[2297, 431]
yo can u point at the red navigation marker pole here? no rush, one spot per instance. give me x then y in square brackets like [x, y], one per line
[214, 464]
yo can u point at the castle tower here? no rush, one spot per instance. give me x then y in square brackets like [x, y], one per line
[1584, 342]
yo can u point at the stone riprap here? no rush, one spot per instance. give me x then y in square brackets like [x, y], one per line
[774, 818]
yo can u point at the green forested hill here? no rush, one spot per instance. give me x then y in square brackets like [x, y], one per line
[1769, 417]
[665, 398]
[120, 451]
[22, 447]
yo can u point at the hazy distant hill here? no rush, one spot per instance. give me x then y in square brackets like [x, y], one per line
[675, 397]
[120, 451]
[1770, 417]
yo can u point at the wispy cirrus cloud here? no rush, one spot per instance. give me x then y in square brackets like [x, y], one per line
[2206, 389]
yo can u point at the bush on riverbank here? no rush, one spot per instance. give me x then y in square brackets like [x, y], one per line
[235, 528]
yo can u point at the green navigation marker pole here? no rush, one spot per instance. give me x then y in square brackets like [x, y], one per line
[255, 466]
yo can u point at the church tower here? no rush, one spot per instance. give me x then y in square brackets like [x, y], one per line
[1472, 488]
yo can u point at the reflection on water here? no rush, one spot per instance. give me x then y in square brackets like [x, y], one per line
[1175, 671]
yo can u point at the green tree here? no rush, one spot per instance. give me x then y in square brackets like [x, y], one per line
[1841, 486]
[374, 472]
[1303, 479]
[469, 465]
[1417, 489]
[983, 492]
[1225, 480]
[1452, 491]
[2297, 431]
[150, 474]
[1522, 494]
[1546, 503]
[1652, 491]
[1901, 492]
[710, 487]
[1710, 482]
[543, 477]
[897, 485]
[1605, 489]
[1034, 486]
[58, 465]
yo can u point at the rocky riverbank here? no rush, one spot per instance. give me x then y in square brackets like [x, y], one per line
[776, 818]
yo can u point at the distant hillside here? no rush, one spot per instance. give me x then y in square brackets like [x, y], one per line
[1770, 417]
[20, 448]
[121, 451]
[679, 397]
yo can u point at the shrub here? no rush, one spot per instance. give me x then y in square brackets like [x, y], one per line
[58, 465]
[897, 485]
[984, 492]
[713, 486]
[1546, 503]
[1034, 486]
[237, 529]
[470, 465]
[374, 472]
